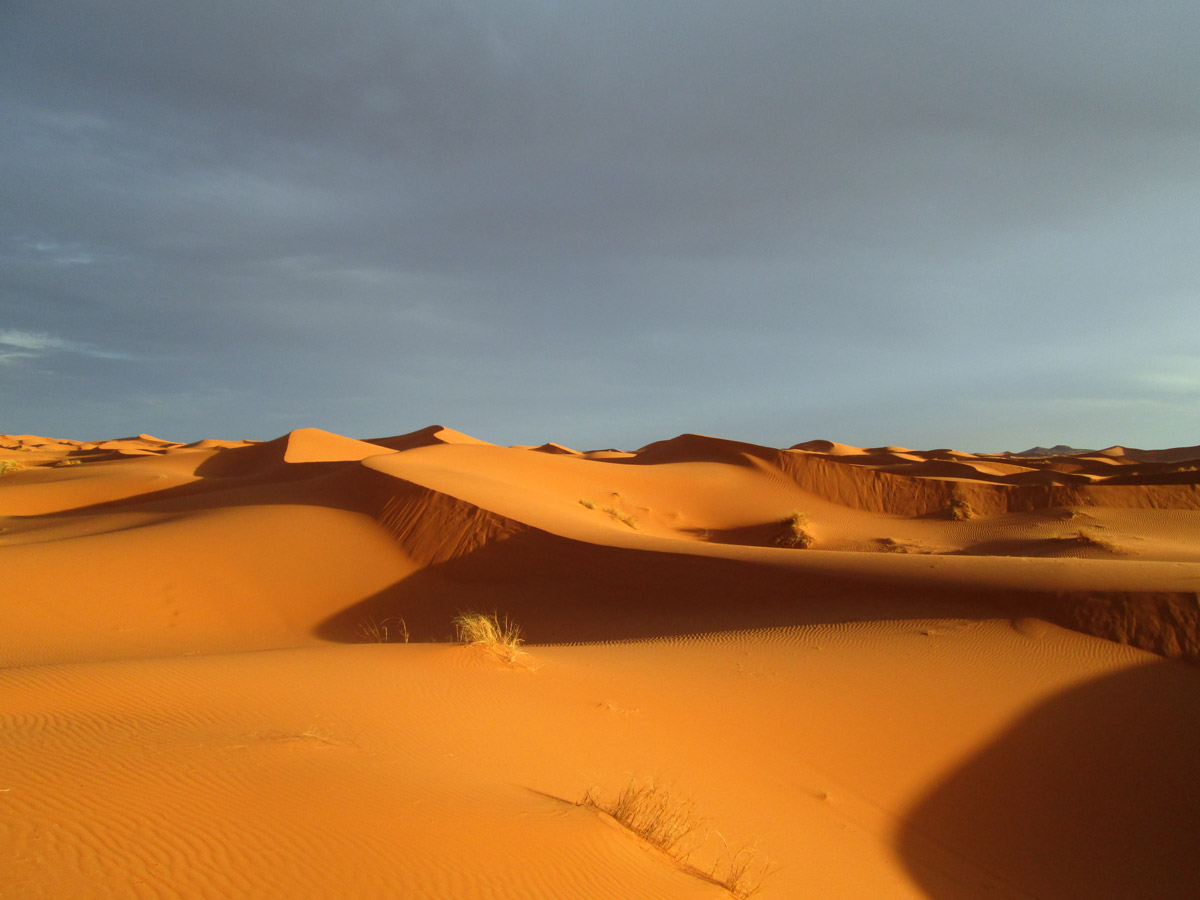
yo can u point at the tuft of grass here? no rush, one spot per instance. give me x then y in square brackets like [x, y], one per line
[891, 545]
[960, 510]
[67, 461]
[795, 532]
[744, 870]
[654, 813]
[498, 634]
[388, 631]
[9, 465]
[626, 518]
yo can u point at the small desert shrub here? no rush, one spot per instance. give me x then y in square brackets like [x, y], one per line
[390, 630]
[656, 815]
[650, 811]
[67, 462]
[960, 509]
[795, 533]
[626, 518]
[500, 635]
[891, 545]
[744, 871]
[9, 465]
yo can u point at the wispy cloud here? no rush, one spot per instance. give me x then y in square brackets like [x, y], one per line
[16, 345]
[32, 340]
[61, 254]
[47, 252]
[1174, 375]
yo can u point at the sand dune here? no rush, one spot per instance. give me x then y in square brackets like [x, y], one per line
[979, 680]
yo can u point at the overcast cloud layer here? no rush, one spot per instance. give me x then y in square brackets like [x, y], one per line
[961, 223]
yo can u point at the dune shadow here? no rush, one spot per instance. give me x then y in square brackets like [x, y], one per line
[1067, 546]
[764, 534]
[1092, 795]
[564, 591]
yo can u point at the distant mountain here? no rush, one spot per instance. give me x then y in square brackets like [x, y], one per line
[1128, 454]
[1056, 450]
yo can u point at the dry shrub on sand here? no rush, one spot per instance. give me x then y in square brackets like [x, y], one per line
[498, 634]
[795, 533]
[626, 518]
[960, 509]
[388, 631]
[744, 870]
[651, 811]
[9, 465]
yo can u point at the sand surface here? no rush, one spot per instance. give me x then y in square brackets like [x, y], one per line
[872, 672]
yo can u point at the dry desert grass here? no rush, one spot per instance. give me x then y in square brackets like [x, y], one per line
[795, 533]
[387, 631]
[961, 510]
[653, 812]
[498, 634]
[625, 518]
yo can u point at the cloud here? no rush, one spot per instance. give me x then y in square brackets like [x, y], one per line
[28, 340]
[596, 215]
[19, 345]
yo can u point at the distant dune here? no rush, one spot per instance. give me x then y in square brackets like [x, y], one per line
[230, 669]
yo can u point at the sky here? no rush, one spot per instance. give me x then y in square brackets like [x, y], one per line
[960, 224]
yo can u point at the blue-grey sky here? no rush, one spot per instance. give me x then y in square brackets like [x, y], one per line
[959, 223]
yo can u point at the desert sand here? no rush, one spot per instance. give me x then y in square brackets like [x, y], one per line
[228, 669]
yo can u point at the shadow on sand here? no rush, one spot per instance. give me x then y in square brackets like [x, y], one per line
[1093, 795]
[565, 591]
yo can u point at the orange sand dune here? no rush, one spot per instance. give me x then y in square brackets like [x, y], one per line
[228, 669]
[434, 434]
[1169, 455]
